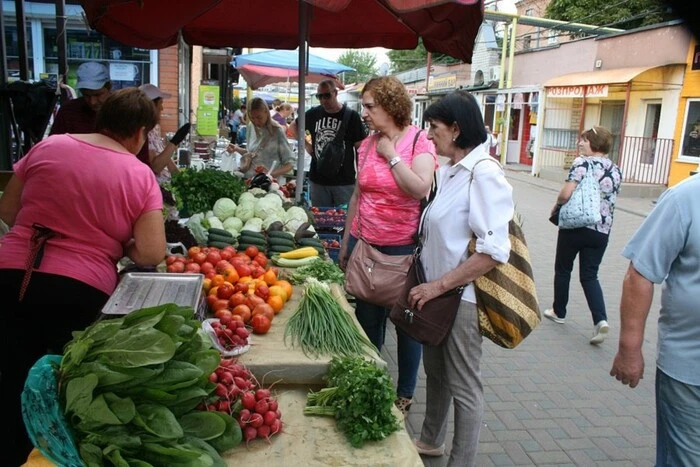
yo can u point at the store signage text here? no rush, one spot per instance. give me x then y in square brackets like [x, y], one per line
[597, 90]
[443, 82]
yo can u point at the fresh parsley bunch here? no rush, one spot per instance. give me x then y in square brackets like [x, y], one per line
[198, 190]
[360, 396]
[324, 271]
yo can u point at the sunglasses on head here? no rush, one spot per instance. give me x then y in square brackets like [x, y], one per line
[323, 95]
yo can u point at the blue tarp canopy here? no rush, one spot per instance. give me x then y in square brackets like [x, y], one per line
[289, 59]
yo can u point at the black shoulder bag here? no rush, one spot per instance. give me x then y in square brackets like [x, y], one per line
[330, 161]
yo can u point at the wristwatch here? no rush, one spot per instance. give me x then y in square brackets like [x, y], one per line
[394, 161]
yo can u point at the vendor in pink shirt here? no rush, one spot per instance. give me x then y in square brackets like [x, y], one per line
[395, 168]
[75, 205]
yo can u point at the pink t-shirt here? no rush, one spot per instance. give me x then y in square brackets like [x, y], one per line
[388, 215]
[91, 196]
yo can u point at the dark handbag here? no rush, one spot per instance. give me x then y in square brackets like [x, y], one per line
[554, 218]
[375, 277]
[330, 161]
[431, 324]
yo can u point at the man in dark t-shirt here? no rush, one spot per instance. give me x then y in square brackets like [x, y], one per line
[323, 122]
[79, 115]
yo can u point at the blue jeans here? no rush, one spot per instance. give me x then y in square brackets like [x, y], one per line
[330, 195]
[373, 318]
[677, 422]
[590, 247]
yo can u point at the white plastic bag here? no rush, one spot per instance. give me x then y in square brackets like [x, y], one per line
[230, 161]
[209, 330]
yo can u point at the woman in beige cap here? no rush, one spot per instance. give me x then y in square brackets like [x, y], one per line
[157, 153]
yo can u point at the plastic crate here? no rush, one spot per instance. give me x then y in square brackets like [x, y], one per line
[330, 218]
[332, 252]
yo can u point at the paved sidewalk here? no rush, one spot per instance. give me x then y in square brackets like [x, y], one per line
[551, 401]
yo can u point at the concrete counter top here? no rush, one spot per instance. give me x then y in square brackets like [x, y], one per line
[271, 359]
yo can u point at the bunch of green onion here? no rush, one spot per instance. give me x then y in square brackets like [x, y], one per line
[320, 326]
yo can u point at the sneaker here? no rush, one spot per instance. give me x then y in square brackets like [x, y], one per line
[599, 332]
[549, 313]
[425, 450]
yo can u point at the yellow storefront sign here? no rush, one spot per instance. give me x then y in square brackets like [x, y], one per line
[443, 82]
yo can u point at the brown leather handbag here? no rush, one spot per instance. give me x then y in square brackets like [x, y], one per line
[375, 277]
[431, 324]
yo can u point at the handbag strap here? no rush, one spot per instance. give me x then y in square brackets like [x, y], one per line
[341, 132]
[413, 150]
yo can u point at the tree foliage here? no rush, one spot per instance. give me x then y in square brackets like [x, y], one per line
[404, 60]
[365, 64]
[623, 14]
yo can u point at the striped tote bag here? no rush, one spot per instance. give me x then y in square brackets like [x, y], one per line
[506, 298]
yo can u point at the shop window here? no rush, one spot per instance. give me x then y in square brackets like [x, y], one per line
[691, 131]
[514, 127]
[128, 66]
[651, 132]
[12, 51]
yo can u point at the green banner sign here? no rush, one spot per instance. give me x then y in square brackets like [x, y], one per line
[208, 111]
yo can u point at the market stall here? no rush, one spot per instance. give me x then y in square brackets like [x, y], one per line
[248, 279]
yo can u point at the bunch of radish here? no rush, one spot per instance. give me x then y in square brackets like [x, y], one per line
[231, 333]
[260, 416]
[231, 379]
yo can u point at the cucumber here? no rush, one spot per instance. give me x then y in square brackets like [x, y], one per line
[280, 248]
[220, 238]
[280, 241]
[251, 233]
[220, 233]
[310, 242]
[280, 234]
[217, 244]
[252, 240]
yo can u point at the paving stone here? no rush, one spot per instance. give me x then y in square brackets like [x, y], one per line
[550, 457]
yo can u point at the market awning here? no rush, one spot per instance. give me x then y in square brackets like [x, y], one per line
[587, 78]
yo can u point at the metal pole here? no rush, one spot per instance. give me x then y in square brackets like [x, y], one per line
[61, 41]
[3, 49]
[511, 52]
[5, 141]
[22, 40]
[301, 108]
[428, 65]
[541, 109]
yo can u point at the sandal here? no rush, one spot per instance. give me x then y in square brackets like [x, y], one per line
[404, 405]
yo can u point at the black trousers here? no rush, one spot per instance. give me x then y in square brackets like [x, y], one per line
[589, 246]
[53, 307]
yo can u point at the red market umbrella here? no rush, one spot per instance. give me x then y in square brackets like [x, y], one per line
[446, 26]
